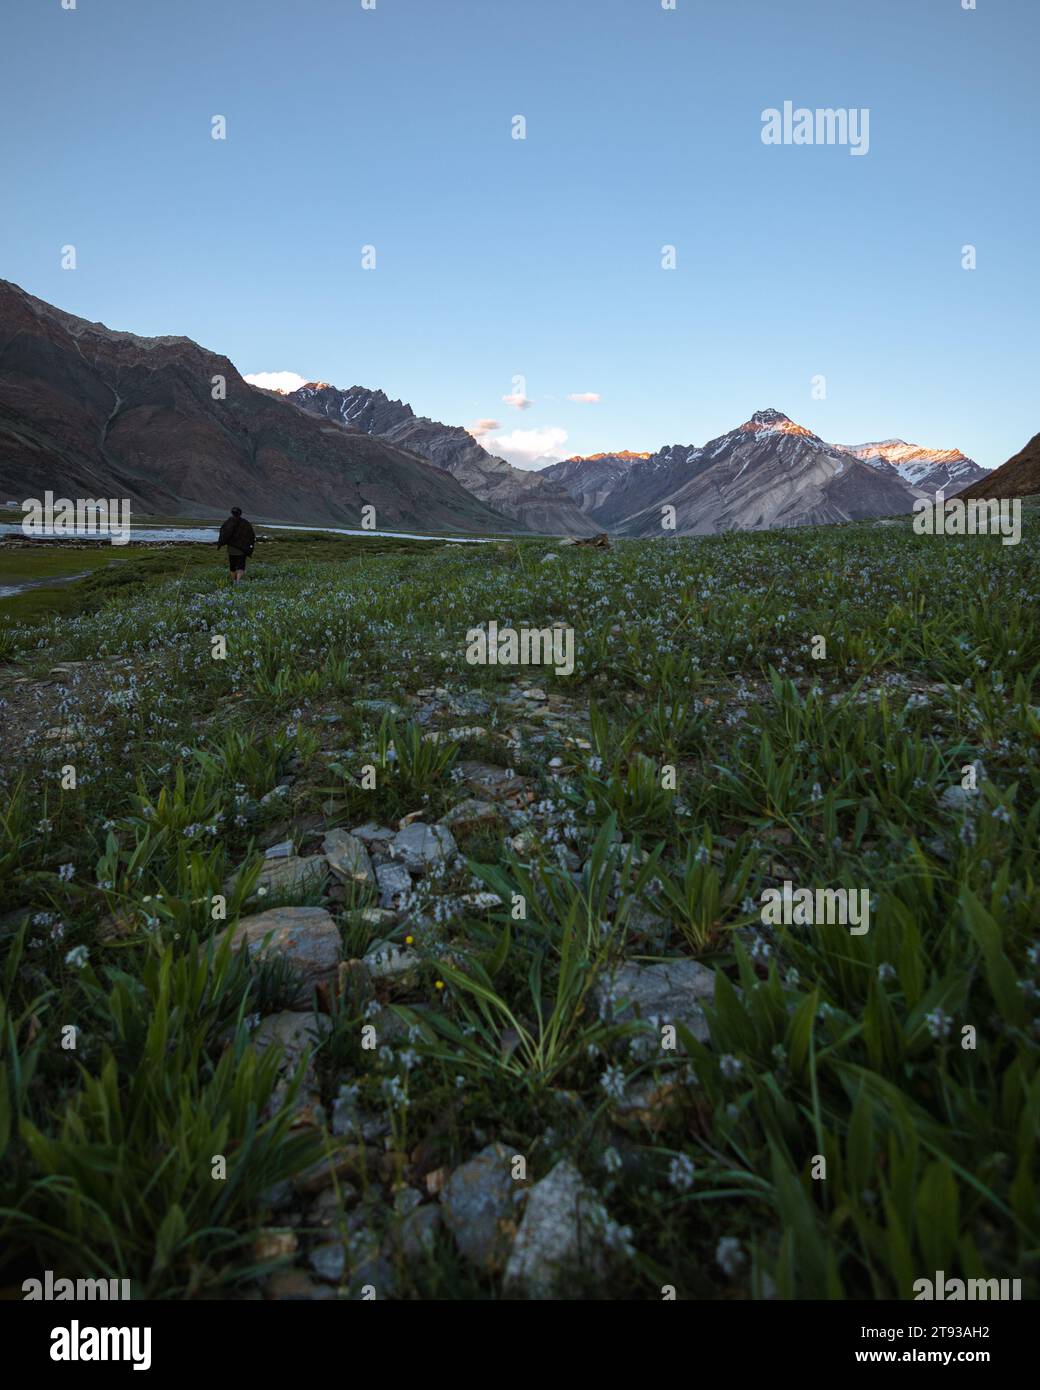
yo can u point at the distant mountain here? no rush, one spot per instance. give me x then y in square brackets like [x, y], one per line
[86, 411]
[1019, 477]
[529, 496]
[768, 472]
[930, 470]
[591, 480]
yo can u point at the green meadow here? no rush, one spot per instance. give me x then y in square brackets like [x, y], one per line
[842, 1114]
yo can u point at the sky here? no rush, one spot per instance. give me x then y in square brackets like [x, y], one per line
[519, 285]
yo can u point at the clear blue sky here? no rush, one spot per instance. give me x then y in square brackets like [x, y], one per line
[499, 257]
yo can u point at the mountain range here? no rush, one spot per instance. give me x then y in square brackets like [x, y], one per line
[87, 411]
[768, 472]
[527, 496]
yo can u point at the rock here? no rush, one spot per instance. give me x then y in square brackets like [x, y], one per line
[290, 875]
[329, 1261]
[275, 1245]
[282, 850]
[646, 1103]
[468, 705]
[348, 858]
[372, 834]
[306, 937]
[294, 1286]
[649, 926]
[435, 1181]
[295, 1033]
[550, 556]
[535, 693]
[480, 902]
[487, 781]
[959, 798]
[478, 1208]
[395, 884]
[376, 917]
[456, 735]
[422, 847]
[669, 992]
[394, 967]
[562, 1230]
[471, 814]
[328, 1207]
[275, 793]
[419, 1231]
[381, 707]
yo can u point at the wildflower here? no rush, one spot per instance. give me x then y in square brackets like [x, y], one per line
[730, 1066]
[65, 872]
[886, 972]
[729, 1257]
[939, 1024]
[613, 1082]
[612, 1160]
[77, 957]
[681, 1172]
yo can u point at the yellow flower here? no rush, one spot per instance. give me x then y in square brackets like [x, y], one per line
[438, 984]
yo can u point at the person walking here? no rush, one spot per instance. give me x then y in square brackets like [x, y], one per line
[240, 538]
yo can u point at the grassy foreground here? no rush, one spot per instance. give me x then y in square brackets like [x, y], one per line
[865, 1108]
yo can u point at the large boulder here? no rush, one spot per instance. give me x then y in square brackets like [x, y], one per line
[422, 847]
[348, 858]
[563, 1232]
[477, 1204]
[670, 991]
[305, 937]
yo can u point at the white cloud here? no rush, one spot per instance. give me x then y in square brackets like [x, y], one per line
[585, 397]
[277, 381]
[530, 448]
[518, 401]
[482, 427]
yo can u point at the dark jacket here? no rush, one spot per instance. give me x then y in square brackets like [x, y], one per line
[237, 534]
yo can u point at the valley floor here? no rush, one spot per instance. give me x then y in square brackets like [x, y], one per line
[513, 1022]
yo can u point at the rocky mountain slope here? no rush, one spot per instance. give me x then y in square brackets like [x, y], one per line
[767, 472]
[86, 411]
[930, 470]
[529, 496]
[1019, 477]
